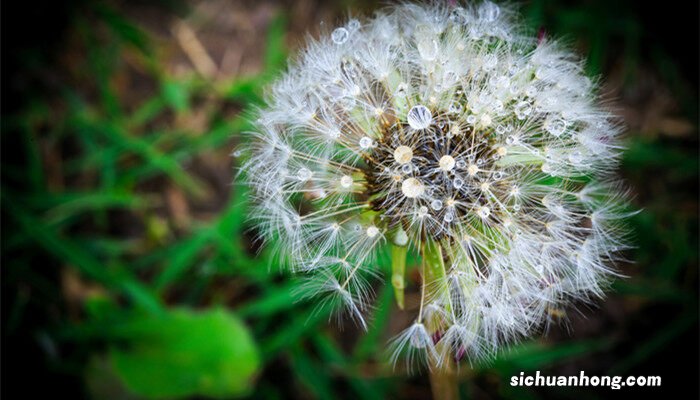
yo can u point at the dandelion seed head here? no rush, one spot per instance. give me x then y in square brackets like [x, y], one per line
[448, 126]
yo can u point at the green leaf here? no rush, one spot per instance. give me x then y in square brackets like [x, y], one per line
[184, 353]
[176, 95]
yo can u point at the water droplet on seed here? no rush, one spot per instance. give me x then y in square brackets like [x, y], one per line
[340, 35]
[484, 212]
[522, 110]
[419, 117]
[304, 174]
[365, 142]
[455, 107]
[372, 231]
[489, 11]
[555, 126]
[428, 49]
[346, 181]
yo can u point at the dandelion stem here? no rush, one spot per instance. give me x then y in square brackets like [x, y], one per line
[444, 382]
[398, 269]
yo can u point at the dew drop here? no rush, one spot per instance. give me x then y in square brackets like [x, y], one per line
[471, 119]
[449, 217]
[555, 126]
[340, 35]
[406, 168]
[372, 231]
[458, 183]
[576, 157]
[522, 110]
[334, 133]
[419, 117]
[455, 107]
[422, 211]
[401, 89]
[428, 49]
[346, 181]
[436, 205]
[484, 212]
[401, 238]
[354, 24]
[489, 11]
[365, 142]
[503, 82]
[490, 61]
[304, 174]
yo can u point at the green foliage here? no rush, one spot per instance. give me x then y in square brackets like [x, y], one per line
[182, 353]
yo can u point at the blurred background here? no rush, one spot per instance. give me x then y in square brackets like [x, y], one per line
[128, 269]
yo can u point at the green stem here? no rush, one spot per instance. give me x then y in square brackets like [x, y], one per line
[398, 272]
[443, 378]
[435, 271]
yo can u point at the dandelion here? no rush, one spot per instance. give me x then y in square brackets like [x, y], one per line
[447, 132]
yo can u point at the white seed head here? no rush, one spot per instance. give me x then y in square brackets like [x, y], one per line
[445, 125]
